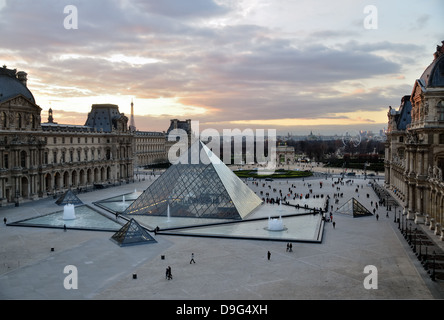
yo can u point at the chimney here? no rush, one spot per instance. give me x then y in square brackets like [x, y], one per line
[22, 76]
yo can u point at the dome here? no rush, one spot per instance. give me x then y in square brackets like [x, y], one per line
[433, 75]
[13, 83]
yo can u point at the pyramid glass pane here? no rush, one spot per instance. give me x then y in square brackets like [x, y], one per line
[242, 196]
[207, 189]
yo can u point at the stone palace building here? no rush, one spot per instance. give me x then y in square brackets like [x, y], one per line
[40, 159]
[414, 159]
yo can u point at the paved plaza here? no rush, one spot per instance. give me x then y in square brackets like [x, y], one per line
[225, 268]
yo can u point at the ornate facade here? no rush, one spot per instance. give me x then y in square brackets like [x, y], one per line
[40, 159]
[414, 159]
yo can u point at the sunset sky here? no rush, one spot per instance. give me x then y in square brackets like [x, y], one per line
[295, 66]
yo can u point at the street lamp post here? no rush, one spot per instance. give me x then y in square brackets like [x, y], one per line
[434, 269]
[399, 220]
[414, 240]
[420, 253]
[405, 227]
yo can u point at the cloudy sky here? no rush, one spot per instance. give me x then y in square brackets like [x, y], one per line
[292, 65]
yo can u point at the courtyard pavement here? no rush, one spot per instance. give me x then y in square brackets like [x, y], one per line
[225, 269]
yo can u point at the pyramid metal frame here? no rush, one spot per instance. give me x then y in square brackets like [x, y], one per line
[355, 208]
[68, 198]
[206, 189]
[131, 234]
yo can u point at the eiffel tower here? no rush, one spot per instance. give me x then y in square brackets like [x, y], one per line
[132, 126]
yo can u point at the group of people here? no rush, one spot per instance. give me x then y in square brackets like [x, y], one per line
[289, 247]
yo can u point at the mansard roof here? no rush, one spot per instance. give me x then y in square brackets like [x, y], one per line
[404, 112]
[102, 116]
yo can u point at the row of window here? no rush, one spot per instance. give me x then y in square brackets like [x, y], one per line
[20, 120]
[55, 140]
[69, 156]
[155, 147]
[64, 157]
[440, 139]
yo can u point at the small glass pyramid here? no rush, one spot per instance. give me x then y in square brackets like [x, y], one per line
[132, 233]
[202, 188]
[355, 208]
[68, 198]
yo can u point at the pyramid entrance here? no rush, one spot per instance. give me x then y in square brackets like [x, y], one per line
[354, 208]
[206, 188]
[68, 198]
[132, 233]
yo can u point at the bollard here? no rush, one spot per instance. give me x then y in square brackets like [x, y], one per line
[162, 257]
[52, 249]
[134, 276]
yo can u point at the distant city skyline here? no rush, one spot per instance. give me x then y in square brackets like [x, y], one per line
[295, 66]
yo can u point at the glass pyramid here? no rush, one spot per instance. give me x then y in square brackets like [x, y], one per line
[198, 185]
[68, 198]
[355, 208]
[132, 233]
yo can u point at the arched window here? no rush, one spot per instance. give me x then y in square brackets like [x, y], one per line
[440, 110]
[23, 159]
[19, 120]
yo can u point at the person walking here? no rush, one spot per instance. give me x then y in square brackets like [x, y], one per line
[334, 224]
[192, 258]
[169, 274]
[269, 255]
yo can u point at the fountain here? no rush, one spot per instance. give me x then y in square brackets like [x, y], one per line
[123, 199]
[275, 224]
[168, 212]
[69, 212]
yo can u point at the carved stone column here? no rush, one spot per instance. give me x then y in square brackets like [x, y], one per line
[419, 216]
